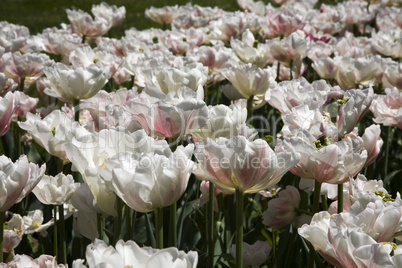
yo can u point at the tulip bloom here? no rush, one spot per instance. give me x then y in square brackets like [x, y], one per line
[387, 108]
[281, 210]
[129, 254]
[55, 190]
[254, 255]
[6, 112]
[249, 80]
[322, 160]
[76, 83]
[146, 182]
[238, 163]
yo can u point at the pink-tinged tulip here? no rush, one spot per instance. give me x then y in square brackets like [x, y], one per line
[12, 36]
[204, 197]
[356, 12]
[106, 109]
[171, 115]
[43, 261]
[129, 254]
[372, 143]
[350, 113]
[113, 14]
[6, 112]
[323, 160]
[164, 15]
[147, 182]
[393, 76]
[88, 153]
[238, 163]
[13, 234]
[254, 255]
[387, 109]
[289, 49]
[354, 190]
[317, 234]
[215, 58]
[6, 84]
[27, 66]
[326, 68]
[182, 42]
[228, 26]
[24, 104]
[289, 94]
[14, 177]
[83, 24]
[281, 210]
[59, 41]
[284, 22]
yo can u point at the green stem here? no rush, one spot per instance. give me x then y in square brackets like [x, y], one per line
[390, 136]
[22, 84]
[77, 110]
[278, 71]
[63, 256]
[173, 225]
[159, 227]
[290, 69]
[340, 197]
[117, 220]
[239, 228]
[316, 200]
[1, 235]
[211, 221]
[99, 225]
[55, 249]
[303, 211]
[150, 233]
[250, 107]
[17, 139]
[273, 247]
[128, 214]
[324, 202]
[6, 143]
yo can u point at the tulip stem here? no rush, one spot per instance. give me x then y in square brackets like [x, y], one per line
[99, 225]
[1, 235]
[77, 110]
[250, 107]
[239, 228]
[316, 200]
[278, 72]
[340, 197]
[128, 214]
[390, 137]
[173, 225]
[22, 84]
[55, 249]
[117, 221]
[63, 257]
[211, 221]
[159, 227]
[290, 70]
